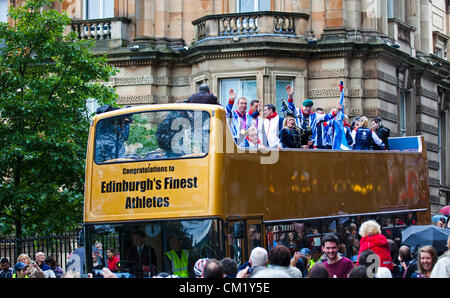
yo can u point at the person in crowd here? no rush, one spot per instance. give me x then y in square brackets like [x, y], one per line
[177, 259]
[203, 95]
[254, 113]
[96, 264]
[290, 134]
[111, 259]
[21, 270]
[404, 258]
[397, 271]
[238, 120]
[141, 255]
[321, 141]
[318, 271]
[258, 259]
[358, 272]
[306, 119]
[98, 251]
[343, 249]
[51, 262]
[316, 255]
[304, 261]
[272, 126]
[280, 258]
[213, 269]
[199, 266]
[440, 224]
[7, 271]
[372, 239]
[33, 269]
[348, 130]
[442, 267]
[426, 259]
[363, 136]
[271, 272]
[76, 260]
[40, 261]
[252, 140]
[230, 267]
[354, 260]
[382, 133]
[413, 264]
[337, 265]
[383, 272]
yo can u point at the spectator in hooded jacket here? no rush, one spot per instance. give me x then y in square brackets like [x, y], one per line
[372, 239]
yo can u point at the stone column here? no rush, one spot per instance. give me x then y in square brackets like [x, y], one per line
[382, 17]
[161, 18]
[334, 14]
[144, 12]
[426, 36]
[412, 8]
[353, 15]
[317, 16]
[175, 26]
[369, 14]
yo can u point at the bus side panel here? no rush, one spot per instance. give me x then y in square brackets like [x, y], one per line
[313, 183]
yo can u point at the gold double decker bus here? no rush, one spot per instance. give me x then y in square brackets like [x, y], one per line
[162, 178]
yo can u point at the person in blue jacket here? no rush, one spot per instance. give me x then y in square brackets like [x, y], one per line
[362, 135]
[239, 120]
[306, 119]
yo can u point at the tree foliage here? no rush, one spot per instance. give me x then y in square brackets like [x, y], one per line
[46, 77]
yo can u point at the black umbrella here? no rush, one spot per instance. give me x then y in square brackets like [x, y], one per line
[418, 236]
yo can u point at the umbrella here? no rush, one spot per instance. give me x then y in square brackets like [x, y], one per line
[436, 218]
[418, 236]
[445, 210]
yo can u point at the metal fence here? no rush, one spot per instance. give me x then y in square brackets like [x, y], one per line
[59, 246]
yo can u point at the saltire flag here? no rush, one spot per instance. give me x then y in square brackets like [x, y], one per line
[339, 140]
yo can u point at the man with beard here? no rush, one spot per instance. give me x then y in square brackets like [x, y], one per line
[338, 266]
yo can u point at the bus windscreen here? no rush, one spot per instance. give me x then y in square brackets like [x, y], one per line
[153, 135]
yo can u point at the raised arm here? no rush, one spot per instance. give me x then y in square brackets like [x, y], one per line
[291, 105]
[229, 106]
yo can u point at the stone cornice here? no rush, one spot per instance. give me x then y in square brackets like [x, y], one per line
[283, 47]
[150, 99]
[151, 80]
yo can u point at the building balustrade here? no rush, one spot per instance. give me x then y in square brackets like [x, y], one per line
[251, 23]
[113, 30]
[402, 33]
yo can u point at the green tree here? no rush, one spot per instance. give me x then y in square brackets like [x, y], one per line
[46, 77]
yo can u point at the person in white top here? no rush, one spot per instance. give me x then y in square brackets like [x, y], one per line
[271, 127]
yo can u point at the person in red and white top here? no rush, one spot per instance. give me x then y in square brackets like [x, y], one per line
[271, 127]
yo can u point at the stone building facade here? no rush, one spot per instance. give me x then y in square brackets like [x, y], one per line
[391, 54]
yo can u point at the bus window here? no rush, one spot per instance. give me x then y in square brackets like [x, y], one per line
[146, 249]
[254, 236]
[235, 243]
[152, 135]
